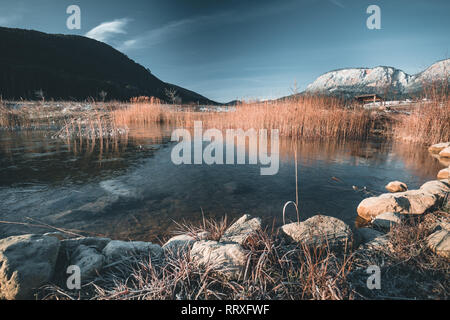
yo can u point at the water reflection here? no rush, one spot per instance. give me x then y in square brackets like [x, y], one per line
[128, 188]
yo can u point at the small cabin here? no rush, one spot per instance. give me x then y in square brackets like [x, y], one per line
[368, 98]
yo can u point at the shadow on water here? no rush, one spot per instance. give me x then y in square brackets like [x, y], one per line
[128, 188]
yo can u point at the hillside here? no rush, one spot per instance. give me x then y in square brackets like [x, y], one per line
[76, 68]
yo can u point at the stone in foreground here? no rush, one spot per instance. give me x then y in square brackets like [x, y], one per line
[438, 147]
[444, 174]
[445, 153]
[26, 263]
[242, 230]
[386, 220]
[117, 250]
[364, 235]
[179, 244]
[439, 243]
[227, 259]
[416, 202]
[89, 260]
[319, 230]
[396, 186]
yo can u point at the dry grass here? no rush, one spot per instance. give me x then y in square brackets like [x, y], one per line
[409, 270]
[428, 123]
[304, 116]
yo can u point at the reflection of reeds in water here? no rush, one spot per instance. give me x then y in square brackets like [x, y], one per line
[306, 117]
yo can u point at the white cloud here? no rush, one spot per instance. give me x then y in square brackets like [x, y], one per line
[106, 30]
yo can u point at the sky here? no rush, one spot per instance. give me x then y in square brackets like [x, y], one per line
[254, 49]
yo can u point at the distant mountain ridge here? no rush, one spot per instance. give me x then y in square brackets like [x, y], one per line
[386, 81]
[76, 68]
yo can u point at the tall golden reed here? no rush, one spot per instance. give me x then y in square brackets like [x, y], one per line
[302, 117]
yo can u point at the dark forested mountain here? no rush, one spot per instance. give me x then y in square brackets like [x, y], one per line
[74, 67]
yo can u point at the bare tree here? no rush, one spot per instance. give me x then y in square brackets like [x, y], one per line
[103, 95]
[40, 94]
[171, 94]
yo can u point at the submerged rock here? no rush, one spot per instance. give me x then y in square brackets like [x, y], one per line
[26, 263]
[396, 186]
[243, 229]
[444, 174]
[319, 230]
[436, 148]
[439, 242]
[418, 201]
[117, 250]
[445, 153]
[227, 259]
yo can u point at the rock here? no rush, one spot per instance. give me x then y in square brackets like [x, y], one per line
[58, 235]
[26, 263]
[386, 220]
[179, 244]
[116, 250]
[227, 259]
[319, 230]
[444, 174]
[436, 148]
[70, 245]
[243, 229]
[364, 235]
[445, 153]
[439, 242]
[396, 186]
[418, 201]
[380, 243]
[89, 260]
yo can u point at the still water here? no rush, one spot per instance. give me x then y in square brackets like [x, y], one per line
[130, 189]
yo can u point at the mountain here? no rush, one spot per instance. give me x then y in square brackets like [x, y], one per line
[75, 67]
[385, 81]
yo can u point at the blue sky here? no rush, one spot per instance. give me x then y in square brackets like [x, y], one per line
[233, 49]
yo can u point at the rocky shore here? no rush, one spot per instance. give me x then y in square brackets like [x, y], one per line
[28, 262]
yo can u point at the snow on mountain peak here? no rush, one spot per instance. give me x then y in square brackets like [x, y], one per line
[379, 80]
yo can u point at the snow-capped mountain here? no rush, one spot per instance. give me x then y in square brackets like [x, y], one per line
[386, 81]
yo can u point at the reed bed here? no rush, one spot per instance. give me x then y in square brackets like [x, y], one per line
[300, 117]
[428, 123]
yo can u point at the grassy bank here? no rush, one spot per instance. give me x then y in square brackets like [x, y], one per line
[277, 270]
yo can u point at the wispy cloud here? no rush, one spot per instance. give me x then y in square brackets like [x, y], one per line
[106, 30]
[169, 31]
[337, 2]
[174, 29]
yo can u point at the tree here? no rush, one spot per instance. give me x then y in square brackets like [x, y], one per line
[171, 94]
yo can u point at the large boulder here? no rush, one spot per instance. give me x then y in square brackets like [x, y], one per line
[243, 229]
[227, 259]
[445, 153]
[439, 242]
[396, 186]
[319, 230]
[416, 202]
[116, 250]
[26, 263]
[444, 174]
[436, 148]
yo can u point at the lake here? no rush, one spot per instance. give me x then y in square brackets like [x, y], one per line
[129, 188]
